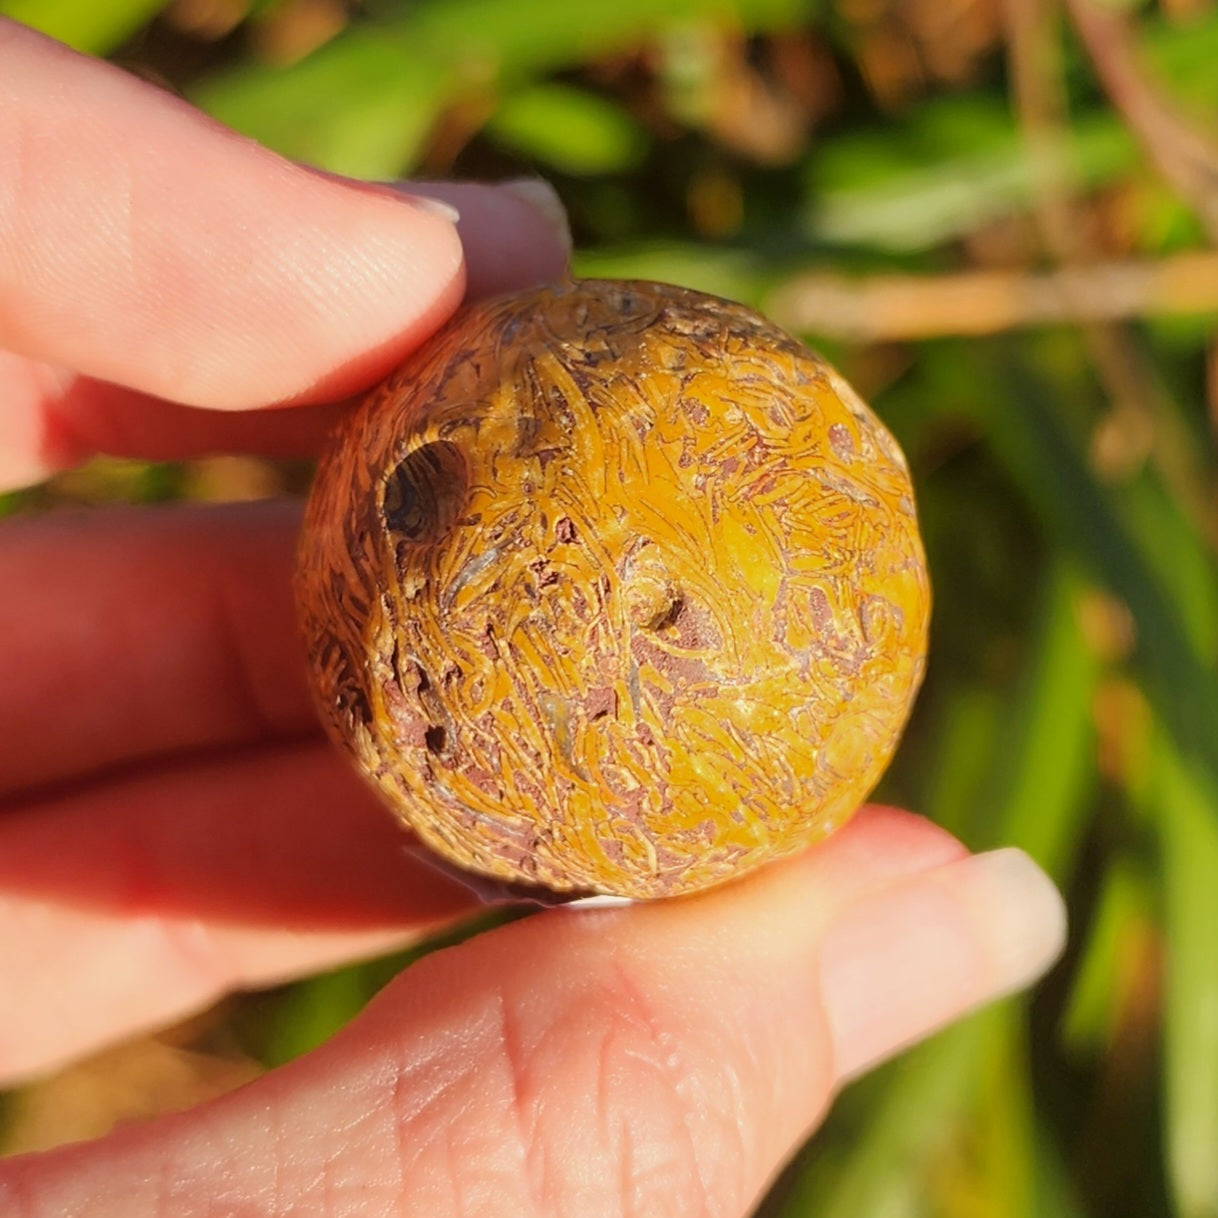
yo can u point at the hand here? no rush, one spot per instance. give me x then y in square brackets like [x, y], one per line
[173, 827]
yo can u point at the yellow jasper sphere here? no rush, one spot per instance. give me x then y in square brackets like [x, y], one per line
[614, 587]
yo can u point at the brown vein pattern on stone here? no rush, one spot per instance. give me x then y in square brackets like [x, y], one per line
[615, 587]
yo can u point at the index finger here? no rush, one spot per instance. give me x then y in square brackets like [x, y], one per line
[144, 244]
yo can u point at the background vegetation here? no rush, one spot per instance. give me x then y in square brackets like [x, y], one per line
[997, 217]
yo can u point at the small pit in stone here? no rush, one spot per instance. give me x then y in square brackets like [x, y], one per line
[666, 616]
[425, 492]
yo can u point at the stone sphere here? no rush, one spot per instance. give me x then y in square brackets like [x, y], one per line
[614, 587]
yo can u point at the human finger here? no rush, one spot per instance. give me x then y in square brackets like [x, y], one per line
[53, 420]
[513, 234]
[129, 634]
[143, 244]
[660, 1059]
[138, 900]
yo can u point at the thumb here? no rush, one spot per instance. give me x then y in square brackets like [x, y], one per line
[660, 1059]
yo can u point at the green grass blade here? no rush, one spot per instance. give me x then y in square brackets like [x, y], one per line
[315, 1009]
[1043, 794]
[1031, 438]
[959, 775]
[1181, 560]
[88, 25]
[518, 36]
[1126, 907]
[1021, 772]
[363, 103]
[722, 272]
[1006, 1160]
[1186, 801]
[569, 129]
[954, 166]
[925, 1097]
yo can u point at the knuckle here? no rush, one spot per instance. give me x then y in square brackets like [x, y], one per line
[615, 1111]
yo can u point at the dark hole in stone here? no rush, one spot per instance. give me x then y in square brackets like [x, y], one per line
[436, 740]
[425, 492]
[667, 617]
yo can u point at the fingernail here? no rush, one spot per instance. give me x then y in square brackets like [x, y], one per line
[543, 198]
[1024, 915]
[904, 961]
[435, 207]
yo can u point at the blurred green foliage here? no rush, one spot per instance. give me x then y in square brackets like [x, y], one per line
[1066, 477]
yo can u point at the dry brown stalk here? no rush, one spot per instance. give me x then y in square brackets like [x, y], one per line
[1185, 155]
[1142, 420]
[889, 307]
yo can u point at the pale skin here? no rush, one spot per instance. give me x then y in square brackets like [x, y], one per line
[173, 827]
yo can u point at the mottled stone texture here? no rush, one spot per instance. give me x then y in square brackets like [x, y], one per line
[615, 587]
